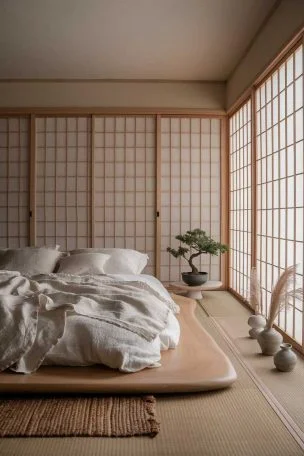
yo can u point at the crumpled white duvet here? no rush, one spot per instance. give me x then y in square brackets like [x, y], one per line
[62, 319]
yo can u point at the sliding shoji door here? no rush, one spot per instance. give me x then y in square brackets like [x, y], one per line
[280, 183]
[124, 183]
[63, 197]
[190, 188]
[14, 182]
[240, 200]
[96, 180]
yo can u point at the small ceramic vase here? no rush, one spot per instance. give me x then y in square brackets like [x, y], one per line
[257, 323]
[269, 340]
[285, 359]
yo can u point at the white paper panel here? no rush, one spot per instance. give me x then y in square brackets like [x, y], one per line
[14, 182]
[190, 188]
[63, 181]
[240, 200]
[124, 181]
[280, 182]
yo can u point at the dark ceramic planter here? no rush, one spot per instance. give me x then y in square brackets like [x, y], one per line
[193, 280]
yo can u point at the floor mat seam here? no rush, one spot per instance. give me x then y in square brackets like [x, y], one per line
[280, 411]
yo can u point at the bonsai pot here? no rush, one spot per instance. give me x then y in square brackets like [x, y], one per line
[193, 280]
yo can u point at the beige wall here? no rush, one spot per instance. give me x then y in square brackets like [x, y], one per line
[204, 95]
[286, 21]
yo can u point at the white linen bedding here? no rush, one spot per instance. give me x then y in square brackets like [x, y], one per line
[121, 321]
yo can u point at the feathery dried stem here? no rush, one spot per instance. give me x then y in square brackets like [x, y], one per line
[280, 293]
[255, 292]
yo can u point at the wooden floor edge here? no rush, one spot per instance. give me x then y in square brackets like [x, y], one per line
[188, 368]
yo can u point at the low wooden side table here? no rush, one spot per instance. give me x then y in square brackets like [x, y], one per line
[195, 292]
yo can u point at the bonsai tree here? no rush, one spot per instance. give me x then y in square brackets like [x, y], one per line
[199, 242]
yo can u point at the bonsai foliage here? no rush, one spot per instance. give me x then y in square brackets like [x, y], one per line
[197, 242]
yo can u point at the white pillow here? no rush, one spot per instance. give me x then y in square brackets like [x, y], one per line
[126, 262]
[30, 260]
[122, 261]
[84, 263]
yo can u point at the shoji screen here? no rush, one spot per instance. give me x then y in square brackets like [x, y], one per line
[240, 199]
[190, 188]
[14, 182]
[280, 179]
[124, 184]
[63, 181]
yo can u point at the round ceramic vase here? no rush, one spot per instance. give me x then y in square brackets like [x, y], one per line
[269, 340]
[285, 359]
[257, 323]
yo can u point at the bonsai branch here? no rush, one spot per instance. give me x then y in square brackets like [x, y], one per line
[194, 269]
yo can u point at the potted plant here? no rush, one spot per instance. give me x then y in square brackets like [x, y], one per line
[197, 242]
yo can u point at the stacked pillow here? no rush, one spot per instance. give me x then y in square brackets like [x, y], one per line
[44, 260]
[30, 260]
[84, 263]
[118, 261]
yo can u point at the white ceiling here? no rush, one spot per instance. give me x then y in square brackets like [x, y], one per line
[126, 39]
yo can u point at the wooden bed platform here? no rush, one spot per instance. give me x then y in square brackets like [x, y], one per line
[197, 364]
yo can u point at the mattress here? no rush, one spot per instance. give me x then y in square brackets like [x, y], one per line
[197, 364]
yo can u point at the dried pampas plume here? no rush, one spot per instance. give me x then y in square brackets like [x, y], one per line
[280, 294]
[255, 300]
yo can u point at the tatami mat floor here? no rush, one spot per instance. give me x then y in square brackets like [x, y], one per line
[287, 387]
[238, 421]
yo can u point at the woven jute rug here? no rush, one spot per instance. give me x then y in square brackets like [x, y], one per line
[78, 416]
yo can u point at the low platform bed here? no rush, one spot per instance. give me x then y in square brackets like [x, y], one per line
[99, 324]
[197, 364]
